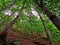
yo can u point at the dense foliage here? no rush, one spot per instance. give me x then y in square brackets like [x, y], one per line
[29, 21]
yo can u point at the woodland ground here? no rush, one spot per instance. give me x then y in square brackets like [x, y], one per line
[22, 38]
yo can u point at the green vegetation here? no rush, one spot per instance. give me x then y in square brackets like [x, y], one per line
[29, 20]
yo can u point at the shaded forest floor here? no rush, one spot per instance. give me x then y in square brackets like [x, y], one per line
[22, 38]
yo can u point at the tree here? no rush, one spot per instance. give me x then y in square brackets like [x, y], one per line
[51, 16]
[8, 26]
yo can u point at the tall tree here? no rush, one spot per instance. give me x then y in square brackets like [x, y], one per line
[52, 17]
[8, 26]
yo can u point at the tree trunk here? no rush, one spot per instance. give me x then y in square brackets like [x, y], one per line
[53, 18]
[8, 27]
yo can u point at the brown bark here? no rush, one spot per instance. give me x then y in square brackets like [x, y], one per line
[53, 18]
[8, 26]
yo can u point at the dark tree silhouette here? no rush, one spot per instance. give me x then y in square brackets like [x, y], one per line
[52, 17]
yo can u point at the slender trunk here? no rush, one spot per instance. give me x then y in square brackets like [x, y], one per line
[46, 31]
[45, 28]
[8, 26]
[53, 18]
